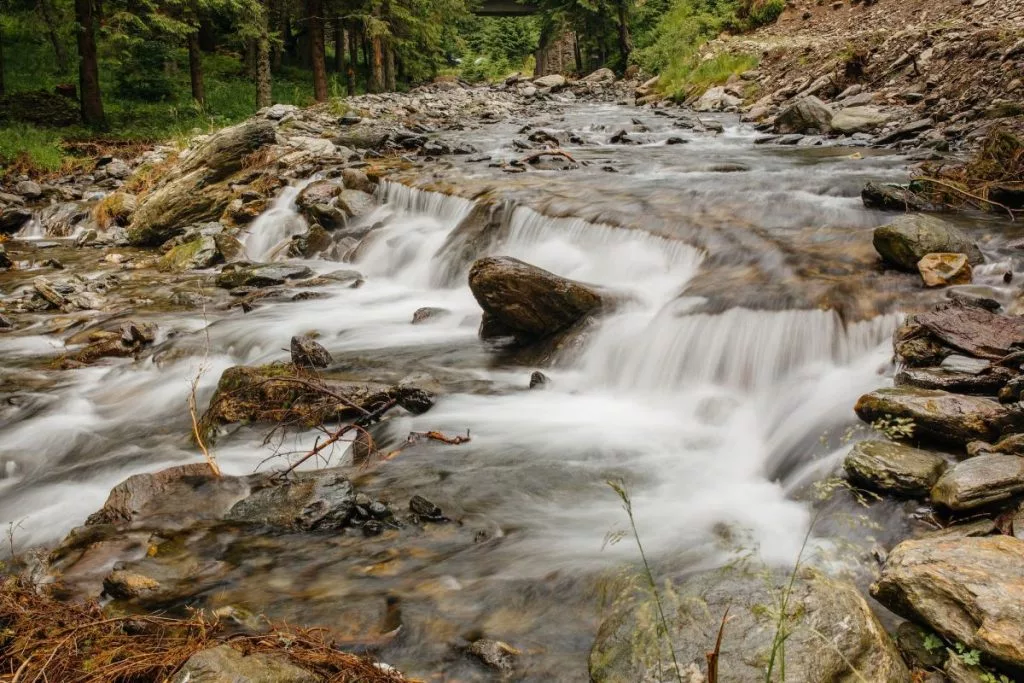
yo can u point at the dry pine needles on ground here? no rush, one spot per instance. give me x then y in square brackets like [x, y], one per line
[45, 639]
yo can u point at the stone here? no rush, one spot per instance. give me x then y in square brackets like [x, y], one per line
[1010, 445]
[199, 254]
[889, 197]
[29, 189]
[979, 481]
[224, 664]
[965, 589]
[893, 468]
[276, 112]
[244, 274]
[319, 500]
[356, 203]
[538, 380]
[908, 239]
[195, 191]
[858, 120]
[716, 99]
[319, 192]
[987, 384]
[307, 353]
[428, 313]
[973, 330]
[125, 585]
[553, 81]
[833, 631]
[5, 260]
[495, 654]
[529, 302]
[424, 509]
[355, 179]
[941, 416]
[942, 270]
[117, 168]
[146, 495]
[910, 639]
[804, 116]
[13, 219]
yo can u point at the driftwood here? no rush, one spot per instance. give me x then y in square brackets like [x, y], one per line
[975, 331]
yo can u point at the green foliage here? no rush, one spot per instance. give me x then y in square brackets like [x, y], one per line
[933, 643]
[765, 12]
[39, 147]
[143, 72]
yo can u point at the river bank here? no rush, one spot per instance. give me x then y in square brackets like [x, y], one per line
[726, 309]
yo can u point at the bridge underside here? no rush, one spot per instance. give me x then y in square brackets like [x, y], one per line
[505, 8]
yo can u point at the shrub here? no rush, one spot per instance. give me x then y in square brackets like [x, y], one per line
[764, 12]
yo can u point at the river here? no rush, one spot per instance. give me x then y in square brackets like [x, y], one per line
[754, 318]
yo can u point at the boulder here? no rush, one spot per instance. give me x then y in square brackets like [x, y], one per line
[984, 384]
[224, 664]
[61, 219]
[308, 500]
[195, 191]
[243, 274]
[319, 192]
[804, 116]
[940, 416]
[908, 239]
[889, 197]
[942, 270]
[966, 589]
[199, 254]
[893, 468]
[978, 481]
[355, 179]
[858, 120]
[832, 633]
[480, 232]
[13, 219]
[529, 302]
[553, 81]
[355, 203]
[716, 99]
[975, 331]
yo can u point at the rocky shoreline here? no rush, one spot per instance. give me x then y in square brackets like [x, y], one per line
[178, 231]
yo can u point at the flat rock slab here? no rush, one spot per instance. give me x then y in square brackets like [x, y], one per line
[224, 664]
[893, 468]
[974, 330]
[970, 590]
[978, 481]
[941, 416]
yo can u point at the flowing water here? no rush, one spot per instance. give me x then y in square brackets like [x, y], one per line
[715, 415]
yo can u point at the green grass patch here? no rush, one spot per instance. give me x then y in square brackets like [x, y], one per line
[26, 146]
[688, 76]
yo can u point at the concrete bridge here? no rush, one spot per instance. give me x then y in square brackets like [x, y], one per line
[505, 8]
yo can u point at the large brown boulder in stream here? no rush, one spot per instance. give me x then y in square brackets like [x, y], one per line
[832, 633]
[940, 416]
[195, 191]
[969, 590]
[908, 239]
[527, 302]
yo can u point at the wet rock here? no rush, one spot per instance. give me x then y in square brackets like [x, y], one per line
[916, 347]
[940, 416]
[554, 82]
[495, 654]
[29, 189]
[716, 99]
[538, 380]
[603, 75]
[974, 529]
[308, 500]
[942, 270]
[963, 589]
[908, 239]
[424, 509]
[910, 639]
[194, 191]
[891, 198]
[975, 331]
[893, 468]
[807, 115]
[319, 192]
[224, 664]
[428, 313]
[6, 323]
[260, 274]
[355, 179]
[1013, 391]
[834, 632]
[530, 302]
[910, 130]
[125, 585]
[315, 241]
[356, 203]
[978, 481]
[485, 227]
[157, 494]
[988, 384]
[198, 254]
[306, 353]
[117, 168]
[5, 260]
[13, 219]
[956, 670]
[858, 120]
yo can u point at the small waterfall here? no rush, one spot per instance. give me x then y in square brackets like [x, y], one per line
[33, 230]
[445, 208]
[267, 235]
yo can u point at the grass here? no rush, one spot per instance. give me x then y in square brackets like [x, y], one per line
[693, 76]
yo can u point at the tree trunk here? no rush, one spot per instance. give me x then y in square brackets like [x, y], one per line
[376, 64]
[315, 26]
[625, 40]
[353, 56]
[389, 67]
[88, 66]
[263, 94]
[60, 52]
[277, 12]
[339, 45]
[250, 57]
[3, 84]
[195, 68]
[577, 54]
[207, 36]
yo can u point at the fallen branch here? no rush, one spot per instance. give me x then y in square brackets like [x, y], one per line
[965, 193]
[438, 436]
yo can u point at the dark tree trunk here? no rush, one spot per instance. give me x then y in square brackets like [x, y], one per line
[195, 68]
[389, 67]
[625, 40]
[339, 45]
[276, 13]
[88, 66]
[315, 26]
[60, 52]
[353, 56]
[263, 93]
[376, 64]
[577, 53]
[207, 36]
[250, 57]
[3, 84]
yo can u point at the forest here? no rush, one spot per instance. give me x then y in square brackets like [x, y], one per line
[152, 70]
